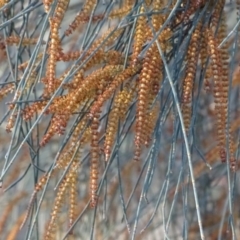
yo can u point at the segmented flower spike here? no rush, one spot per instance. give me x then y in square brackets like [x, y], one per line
[120, 78]
[15, 40]
[47, 4]
[157, 19]
[9, 88]
[218, 91]
[191, 67]
[55, 45]
[121, 104]
[192, 8]
[190, 75]
[222, 33]
[94, 157]
[120, 13]
[205, 64]
[73, 197]
[140, 36]
[51, 228]
[88, 7]
[94, 164]
[150, 71]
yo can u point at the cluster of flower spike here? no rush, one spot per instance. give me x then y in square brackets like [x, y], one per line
[105, 79]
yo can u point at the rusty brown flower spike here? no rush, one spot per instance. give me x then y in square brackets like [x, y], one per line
[218, 92]
[139, 36]
[88, 7]
[101, 107]
[191, 69]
